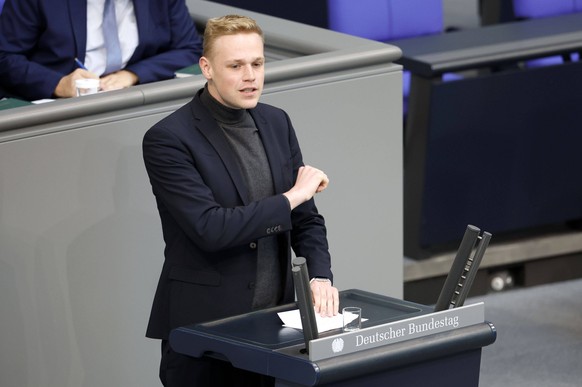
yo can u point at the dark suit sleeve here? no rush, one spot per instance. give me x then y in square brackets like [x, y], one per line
[187, 187]
[21, 22]
[168, 40]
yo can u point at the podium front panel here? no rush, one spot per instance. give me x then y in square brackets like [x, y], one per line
[258, 342]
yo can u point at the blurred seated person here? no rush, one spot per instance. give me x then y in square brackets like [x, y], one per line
[45, 45]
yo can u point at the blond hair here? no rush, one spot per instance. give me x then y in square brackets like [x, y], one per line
[227, 25]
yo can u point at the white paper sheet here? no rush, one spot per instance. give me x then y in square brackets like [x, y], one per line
[292, 319]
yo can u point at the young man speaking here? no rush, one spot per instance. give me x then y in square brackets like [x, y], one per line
[234, 197]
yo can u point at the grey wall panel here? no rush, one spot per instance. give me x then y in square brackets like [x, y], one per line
[80, 250]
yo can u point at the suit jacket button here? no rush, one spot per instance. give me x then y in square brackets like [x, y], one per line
[253, 245]
[251, 285]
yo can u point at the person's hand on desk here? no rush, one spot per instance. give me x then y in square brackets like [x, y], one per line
[66, 87]
[325, 297]
[118, 80]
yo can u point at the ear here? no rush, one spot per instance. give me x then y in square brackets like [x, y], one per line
[205, 67]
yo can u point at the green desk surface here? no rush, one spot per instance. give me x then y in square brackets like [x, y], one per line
[189, 71]
[9, 103]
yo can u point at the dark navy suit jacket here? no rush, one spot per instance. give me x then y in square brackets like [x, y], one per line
[211, 227]
[39, 40]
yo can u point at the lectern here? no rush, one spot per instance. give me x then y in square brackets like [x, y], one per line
[401, 343]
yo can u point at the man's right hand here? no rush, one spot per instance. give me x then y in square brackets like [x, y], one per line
[66, 87]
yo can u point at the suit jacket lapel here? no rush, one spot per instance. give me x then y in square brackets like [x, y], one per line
[142, 18]
[214, 134]
[78, 18]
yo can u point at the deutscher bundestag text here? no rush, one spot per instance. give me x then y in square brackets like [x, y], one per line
[391, 333]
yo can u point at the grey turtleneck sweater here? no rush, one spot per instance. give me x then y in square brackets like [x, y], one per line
[244, 137]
